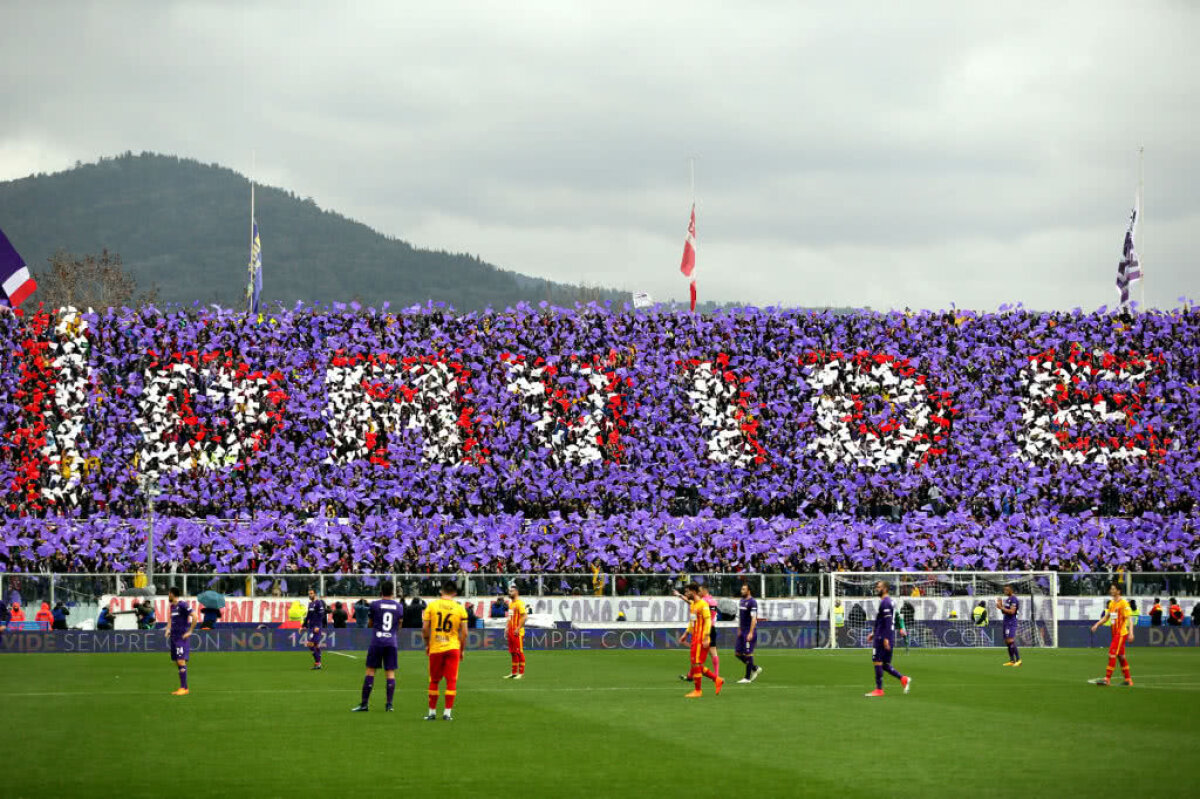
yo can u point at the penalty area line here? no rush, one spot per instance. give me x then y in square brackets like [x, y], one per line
[340, 654]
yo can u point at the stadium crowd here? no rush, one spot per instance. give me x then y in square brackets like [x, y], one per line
[543, 439]
[637, 543]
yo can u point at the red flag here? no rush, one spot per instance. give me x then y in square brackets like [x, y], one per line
[688, 266]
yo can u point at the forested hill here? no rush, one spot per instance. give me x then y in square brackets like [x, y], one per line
[183, 226]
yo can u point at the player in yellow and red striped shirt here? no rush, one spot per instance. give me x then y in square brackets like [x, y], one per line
[1122, 632]
[699, 630]
[514, 633]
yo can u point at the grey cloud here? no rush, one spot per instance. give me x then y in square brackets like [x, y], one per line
[890, 154]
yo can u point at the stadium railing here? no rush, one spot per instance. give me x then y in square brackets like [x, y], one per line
[87, 588]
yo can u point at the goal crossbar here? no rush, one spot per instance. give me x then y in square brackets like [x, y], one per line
[939, 609]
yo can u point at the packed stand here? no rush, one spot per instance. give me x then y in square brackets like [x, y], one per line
[748, 439]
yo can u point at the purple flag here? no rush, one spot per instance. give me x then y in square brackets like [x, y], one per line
[1129, 269]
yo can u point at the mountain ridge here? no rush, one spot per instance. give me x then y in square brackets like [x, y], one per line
[181, 225]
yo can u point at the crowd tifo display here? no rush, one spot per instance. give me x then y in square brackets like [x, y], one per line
[539, 439]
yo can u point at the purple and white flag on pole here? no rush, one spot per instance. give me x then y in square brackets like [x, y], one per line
[1129, 269]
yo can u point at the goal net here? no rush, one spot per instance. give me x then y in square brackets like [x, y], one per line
[939, 609]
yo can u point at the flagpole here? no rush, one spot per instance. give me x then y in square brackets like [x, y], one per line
[250, 281]
[1141, 245]
[692, 180]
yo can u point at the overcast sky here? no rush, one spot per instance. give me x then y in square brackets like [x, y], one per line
[884, 154]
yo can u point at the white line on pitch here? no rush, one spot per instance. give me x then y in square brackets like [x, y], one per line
[350, 689]
[515, 690]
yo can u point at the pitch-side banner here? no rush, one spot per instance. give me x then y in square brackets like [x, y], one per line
[788, 636]
[771, 636]
[581, 611]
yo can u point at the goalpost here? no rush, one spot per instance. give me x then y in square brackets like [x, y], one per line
[938, 608]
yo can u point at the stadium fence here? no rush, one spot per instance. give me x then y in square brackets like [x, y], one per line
[76, 586]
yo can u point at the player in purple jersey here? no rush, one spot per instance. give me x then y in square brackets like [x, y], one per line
[884, 637]
[180, 624]
[1010, 607]
[3, 622]
[314, 622]
[386, 615]
[747, 628]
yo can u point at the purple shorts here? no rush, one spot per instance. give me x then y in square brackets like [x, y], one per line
[744, 646]
[1010, 630]
[381, 657]
[880, 654]
[181, 649]
[316, 635]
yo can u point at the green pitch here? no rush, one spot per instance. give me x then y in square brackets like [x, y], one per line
[602, 724]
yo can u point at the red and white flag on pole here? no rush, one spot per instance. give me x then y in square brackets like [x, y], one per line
[688, 266]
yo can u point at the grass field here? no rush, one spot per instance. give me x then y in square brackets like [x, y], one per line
[603, 724]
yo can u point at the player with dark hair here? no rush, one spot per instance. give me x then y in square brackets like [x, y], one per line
[747, 629]
[884, 637]
[1122, 631]
[314, 622]
[1010, 606]
[514, 632]
[444, 627]
[699, 631]
[385, 614]
[180, 625]
[711, 601]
